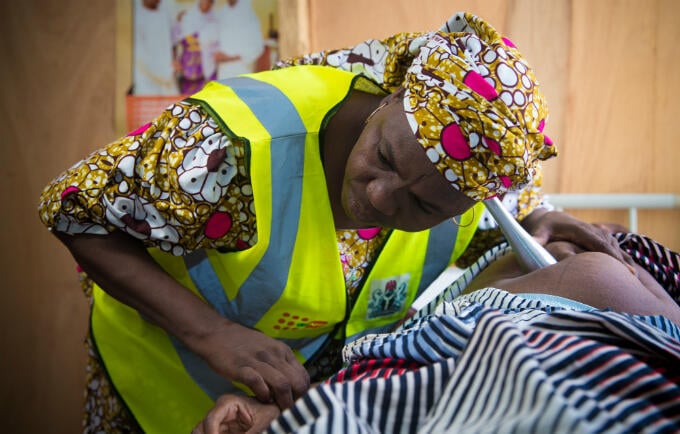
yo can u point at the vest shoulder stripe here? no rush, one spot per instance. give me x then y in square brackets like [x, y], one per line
[281, 119]
[442, 241]
[269, 104]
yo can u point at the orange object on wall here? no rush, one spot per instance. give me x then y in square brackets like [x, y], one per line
[142, 109]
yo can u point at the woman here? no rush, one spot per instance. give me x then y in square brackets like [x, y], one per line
[153, 67]
[240, 39]
[247, 193]
[197, 30]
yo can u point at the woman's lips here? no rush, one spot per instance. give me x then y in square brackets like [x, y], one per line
[358, 210]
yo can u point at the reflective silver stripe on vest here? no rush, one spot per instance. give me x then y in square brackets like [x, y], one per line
[206, 280]
[212, 384]
[306, 346]
[280, 118]
[440, 245]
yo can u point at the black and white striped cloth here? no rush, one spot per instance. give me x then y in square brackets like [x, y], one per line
[494, 362]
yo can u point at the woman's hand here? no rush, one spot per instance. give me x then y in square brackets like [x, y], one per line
[551, 226]
[237, 415]
[221, 56]
[263, 364]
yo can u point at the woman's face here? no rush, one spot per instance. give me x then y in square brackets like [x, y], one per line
[390, 182]
[205, 5]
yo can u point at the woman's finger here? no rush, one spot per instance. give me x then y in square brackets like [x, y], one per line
[254, 379]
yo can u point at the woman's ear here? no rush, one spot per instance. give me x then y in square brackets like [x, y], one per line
[397, 95]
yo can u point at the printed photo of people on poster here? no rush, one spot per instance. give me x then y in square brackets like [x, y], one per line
[179, 45]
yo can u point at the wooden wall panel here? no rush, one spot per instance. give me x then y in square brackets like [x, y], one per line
[623, 88]
[610, 72]
[56, 105]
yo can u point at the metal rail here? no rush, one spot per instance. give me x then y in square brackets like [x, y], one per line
[630, 201]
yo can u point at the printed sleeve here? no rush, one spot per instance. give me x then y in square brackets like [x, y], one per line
[178, 183]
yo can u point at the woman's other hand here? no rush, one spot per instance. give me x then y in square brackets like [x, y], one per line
[221, 56]
[551, 226]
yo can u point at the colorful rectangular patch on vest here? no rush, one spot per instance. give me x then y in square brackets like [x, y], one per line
[387, 296]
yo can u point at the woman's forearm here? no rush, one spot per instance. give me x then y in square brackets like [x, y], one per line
[121, 265]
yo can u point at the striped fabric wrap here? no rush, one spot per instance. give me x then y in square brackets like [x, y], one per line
[662, 263]
[490, 361]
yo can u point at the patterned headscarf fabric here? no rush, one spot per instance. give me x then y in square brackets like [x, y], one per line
[471, 100]
[474, 105]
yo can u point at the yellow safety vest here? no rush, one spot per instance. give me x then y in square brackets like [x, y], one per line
[290, 285]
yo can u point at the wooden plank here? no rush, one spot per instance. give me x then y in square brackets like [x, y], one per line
[294, 27]
[56, 107]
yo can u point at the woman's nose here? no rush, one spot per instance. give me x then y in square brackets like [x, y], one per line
[384, 193]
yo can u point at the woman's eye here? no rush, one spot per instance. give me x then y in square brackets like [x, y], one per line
[422, 205]
[383, 159]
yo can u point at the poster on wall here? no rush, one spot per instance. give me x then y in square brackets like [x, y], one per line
[179, 45]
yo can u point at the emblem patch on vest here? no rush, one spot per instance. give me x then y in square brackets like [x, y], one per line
[387, 296]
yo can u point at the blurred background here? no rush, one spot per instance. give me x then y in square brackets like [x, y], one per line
[610, 70]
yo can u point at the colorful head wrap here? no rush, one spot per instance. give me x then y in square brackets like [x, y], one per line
[474, 105]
